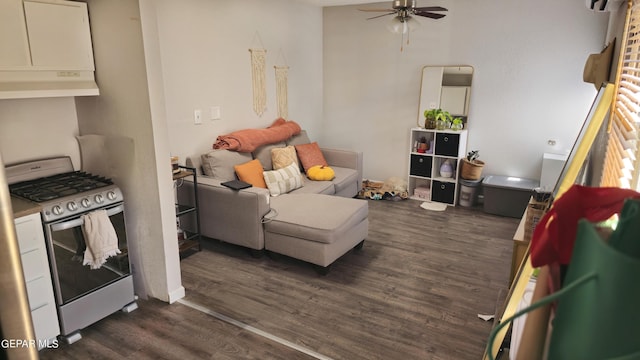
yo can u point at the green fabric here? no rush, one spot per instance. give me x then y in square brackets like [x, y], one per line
[627, 236]
[600, 318]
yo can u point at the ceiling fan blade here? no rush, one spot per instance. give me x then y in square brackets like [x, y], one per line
[430, 15]
[375, 17]
[431, 8]
[375, 10]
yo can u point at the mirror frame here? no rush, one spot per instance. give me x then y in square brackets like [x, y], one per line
[449, 75]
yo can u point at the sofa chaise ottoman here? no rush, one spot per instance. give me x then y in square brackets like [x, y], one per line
[316, 228]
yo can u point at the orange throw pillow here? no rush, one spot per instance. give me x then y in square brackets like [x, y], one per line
[310, 155]
[251, 172]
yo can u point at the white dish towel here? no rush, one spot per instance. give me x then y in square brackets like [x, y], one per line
[100, 237]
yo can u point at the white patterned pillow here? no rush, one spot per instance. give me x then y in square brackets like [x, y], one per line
[283, 180]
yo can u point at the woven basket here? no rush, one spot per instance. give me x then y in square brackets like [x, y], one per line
[535, 212]
[471, 170]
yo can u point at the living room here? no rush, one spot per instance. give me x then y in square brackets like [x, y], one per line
[347, 75]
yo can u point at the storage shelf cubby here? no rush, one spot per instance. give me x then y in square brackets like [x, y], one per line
[425, 182]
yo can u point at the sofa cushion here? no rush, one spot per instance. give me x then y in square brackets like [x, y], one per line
[263, 153]
[283, 157]
[299, 139]
[345, 177]
[316, 187]
[310, 155]
[219, 163]
[316, 217]
[283, 180]
[251, 172]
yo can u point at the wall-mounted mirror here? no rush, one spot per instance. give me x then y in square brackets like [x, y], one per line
[447, 88]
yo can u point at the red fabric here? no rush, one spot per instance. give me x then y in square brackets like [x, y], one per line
[554, 236]
[250, 139]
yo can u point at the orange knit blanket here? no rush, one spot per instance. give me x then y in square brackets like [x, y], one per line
[248, 140]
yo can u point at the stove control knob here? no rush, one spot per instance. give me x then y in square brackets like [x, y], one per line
[99, 199]
[111, 195]
[85, 202]
[72, 206]
[57, 210]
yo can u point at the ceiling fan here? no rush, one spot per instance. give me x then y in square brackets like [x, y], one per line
[403, 10]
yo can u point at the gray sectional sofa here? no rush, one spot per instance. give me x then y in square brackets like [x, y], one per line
[245, 217]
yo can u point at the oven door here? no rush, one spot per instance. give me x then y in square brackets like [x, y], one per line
[66, 245]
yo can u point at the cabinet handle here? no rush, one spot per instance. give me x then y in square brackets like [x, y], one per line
[420, 160]
[446, 138]
[442, 187]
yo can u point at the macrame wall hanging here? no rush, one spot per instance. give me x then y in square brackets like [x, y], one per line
[281, 91]
[258, 57]
[282, 74]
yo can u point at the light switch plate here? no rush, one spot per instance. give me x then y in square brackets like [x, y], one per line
[215, 113]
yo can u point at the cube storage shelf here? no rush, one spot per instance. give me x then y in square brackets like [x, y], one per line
[425, 181]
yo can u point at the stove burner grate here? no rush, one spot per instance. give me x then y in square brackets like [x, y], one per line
[60, 185]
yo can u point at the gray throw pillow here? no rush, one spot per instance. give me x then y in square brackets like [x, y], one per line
[299, 139]
[263, 153]
[219, 163]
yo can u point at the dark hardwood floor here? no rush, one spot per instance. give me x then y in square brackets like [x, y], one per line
[413, 292]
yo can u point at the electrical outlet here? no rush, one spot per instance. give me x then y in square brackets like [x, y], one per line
[197, 116]
[215, 112]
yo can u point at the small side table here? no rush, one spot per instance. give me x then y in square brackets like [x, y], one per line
[191, 238]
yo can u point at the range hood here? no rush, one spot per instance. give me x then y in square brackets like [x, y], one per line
[39, 84]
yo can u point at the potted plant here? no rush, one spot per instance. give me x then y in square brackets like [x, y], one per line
[443, 120]
[471, 168]
[430, 118]
[456, 124]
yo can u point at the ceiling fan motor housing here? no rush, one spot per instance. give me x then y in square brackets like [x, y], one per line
[404, 4]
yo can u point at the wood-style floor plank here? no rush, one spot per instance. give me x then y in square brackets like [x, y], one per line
[413, 292]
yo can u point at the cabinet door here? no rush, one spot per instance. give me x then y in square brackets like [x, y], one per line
[35, 268]
[59, 35]
[14, 46]
[447, 144]
[443, 192]
[420, 165]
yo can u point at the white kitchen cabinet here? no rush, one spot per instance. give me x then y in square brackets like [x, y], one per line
[45, 49]
[37, 277]
[14, 44]
[45, 35]
[426, 181]
[59, 35]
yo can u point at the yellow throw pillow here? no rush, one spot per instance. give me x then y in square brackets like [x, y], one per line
[283, 157]
[251, 172]
[321, 173]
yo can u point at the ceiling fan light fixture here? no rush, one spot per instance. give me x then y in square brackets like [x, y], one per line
[403, 25]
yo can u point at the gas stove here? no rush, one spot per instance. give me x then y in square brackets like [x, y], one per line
[83, 294]
[61, 191]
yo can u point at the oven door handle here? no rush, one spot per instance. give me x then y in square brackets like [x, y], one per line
[79, 221]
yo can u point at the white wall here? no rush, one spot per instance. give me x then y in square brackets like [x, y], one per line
[38, 128]
[528, 58]
[205, 56]
[131, 104]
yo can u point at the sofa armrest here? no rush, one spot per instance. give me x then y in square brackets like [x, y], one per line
[345, 158]
[228, 215]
